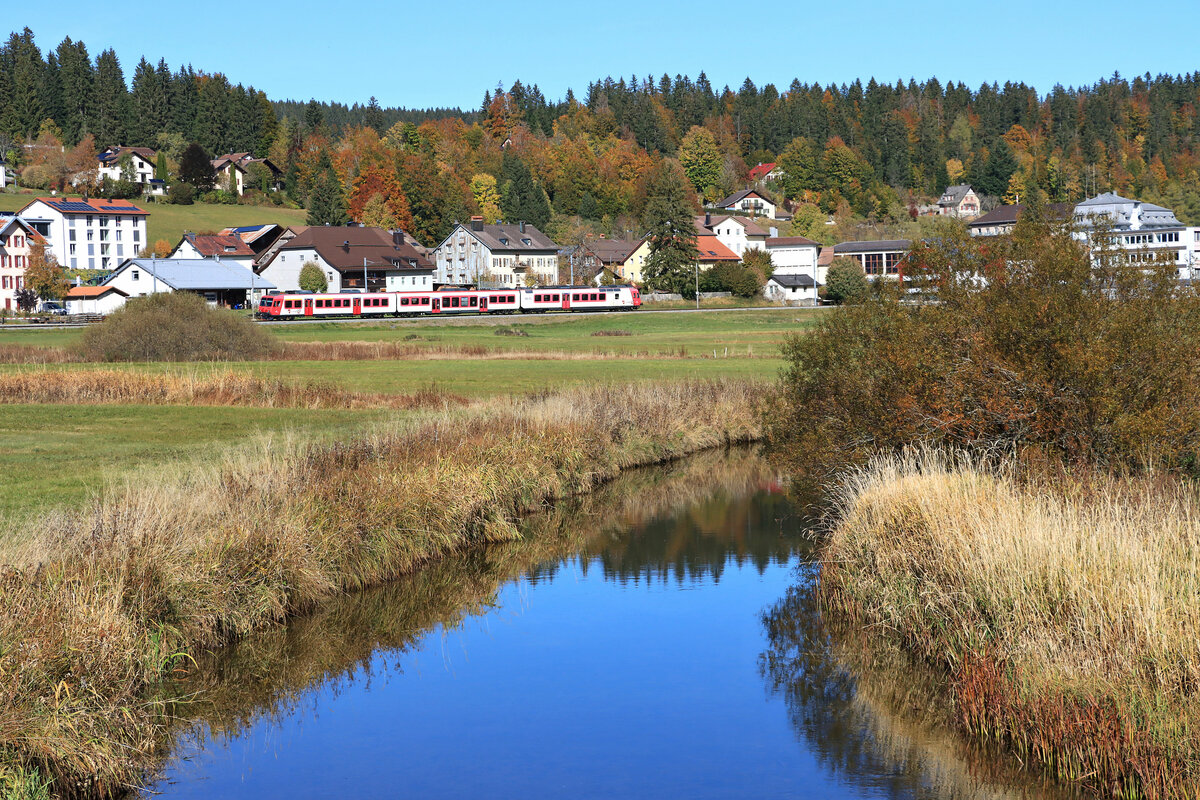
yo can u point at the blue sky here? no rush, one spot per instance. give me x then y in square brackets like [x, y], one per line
[446, 54]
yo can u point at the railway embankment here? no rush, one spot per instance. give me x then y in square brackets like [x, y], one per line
[96, 606]
[1065, 611]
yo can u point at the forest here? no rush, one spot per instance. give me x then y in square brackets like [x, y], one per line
[867, 153]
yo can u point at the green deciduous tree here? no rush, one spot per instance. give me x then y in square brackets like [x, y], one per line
[312, 279]
[845, 281]
[701, 159]
[195, 168]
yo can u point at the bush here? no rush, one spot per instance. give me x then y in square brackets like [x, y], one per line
[123, 189]
[731, 277]
[176, 326]
[845, 281]
[181, 194]
[1033, 344]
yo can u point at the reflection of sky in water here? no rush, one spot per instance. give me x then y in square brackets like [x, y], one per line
[630, 671]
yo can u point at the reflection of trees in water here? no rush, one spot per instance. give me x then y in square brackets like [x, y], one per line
[276, 673]
[870, 715]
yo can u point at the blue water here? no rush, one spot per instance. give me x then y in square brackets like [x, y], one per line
[633, 669]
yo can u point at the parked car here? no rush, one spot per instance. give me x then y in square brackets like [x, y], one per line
[52, 307]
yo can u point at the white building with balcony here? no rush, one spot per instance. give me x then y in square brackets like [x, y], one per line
[496, 255]
[749, 201]
[88, 234]
[1145, 232]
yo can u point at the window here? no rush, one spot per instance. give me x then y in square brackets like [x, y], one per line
[72, 249]
[71, 235]
[89, 219]
[89, 235]
[137, 235]
[134, 275]
[474, 302]
[554, 298]
[424, 301]
[873, 263]
[118, 236]
[104, 235]
[454, 302]
[403, 301]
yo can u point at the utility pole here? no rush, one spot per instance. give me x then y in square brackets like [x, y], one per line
[364, 274]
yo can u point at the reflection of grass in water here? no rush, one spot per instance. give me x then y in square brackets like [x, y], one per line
[270, 675]
[869, 713]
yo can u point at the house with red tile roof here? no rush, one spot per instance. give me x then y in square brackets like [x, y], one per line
[16, 237]
[94, 299]
[85, 233]
[765, 172]
[739, 234]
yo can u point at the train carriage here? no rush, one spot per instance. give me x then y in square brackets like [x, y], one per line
[309, 305]
[581, 298]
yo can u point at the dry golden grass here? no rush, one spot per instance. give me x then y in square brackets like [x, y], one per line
[1066, 610]
[225, 388]
[95, 605]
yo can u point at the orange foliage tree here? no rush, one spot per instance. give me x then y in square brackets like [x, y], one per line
[379, 181]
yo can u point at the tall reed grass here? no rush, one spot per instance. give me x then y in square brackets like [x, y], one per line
[222, 388]
[96, 605]
[1066, 610]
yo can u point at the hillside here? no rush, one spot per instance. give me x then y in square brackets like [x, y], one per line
[169, 222]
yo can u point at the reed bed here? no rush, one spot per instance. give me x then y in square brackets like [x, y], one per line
[1065, 611]
[96, 605]
[226, 388]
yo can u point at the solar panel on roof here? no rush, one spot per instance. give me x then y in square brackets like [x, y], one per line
[65, 206]
[114, 208]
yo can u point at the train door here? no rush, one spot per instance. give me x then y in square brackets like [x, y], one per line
[437, 305]
[483, 303]
[308, 307]
[566, 301]
[357, 306]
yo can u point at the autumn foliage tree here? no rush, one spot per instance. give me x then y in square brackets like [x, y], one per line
[379, 182]
[44, 274]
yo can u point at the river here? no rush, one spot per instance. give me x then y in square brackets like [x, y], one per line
[656, 639]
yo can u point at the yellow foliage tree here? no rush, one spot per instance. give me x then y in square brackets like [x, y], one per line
[44, 274]
[954, 169]
[487, 196]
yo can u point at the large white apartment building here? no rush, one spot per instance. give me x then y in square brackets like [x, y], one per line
[88, 234]
[1145, 232]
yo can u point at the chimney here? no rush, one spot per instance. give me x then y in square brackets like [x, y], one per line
[476, 223]
[707, 218]
[522, 224]
[774, 232]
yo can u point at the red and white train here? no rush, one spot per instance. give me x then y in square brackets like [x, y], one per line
[297, 305]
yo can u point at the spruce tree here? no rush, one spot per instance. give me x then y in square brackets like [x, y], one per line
[111, 101]
[149, 100]
[195, 168]
[671, 231]
[76, 76]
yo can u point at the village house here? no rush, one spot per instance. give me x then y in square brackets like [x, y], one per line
[496, 255]
[590, 260]
[877, 259]
[632, 269]
[220, 283]
[709, 252]
[226, 247]
[102, 300]
[761, 173]
[1001, 219]
[352, 258]
[739, 234]
[749, 201]
[797, 275]
[959, 201]
[88, 234]
[237, 167]
[16, 237]
[258, 238]
[135, 164]
[3, 173]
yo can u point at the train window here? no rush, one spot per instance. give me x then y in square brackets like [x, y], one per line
[424, 301]
[554, 298]
[537, 298]
[512, 298]
[344, 303]
[403, 301]
[474, 302]
[454, 302]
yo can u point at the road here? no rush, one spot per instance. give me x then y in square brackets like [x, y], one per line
[478, 319]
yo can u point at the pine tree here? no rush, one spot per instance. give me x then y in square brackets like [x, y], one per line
[196, 169]
[182, 96]
[149, 100]
[373, 116]
[111, 106]
[76, 76]
[521, 199]
[671, 230]
[325, 206]
[24, 110]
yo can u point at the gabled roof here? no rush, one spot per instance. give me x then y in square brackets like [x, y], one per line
[737, 196]
[115, 153]
[752, 228]
[882, 246]
[761, 171]
[1007, 215]
[825, 257]
[709, 248]
[611, 251]
[792, 281]
[252, 234]
[510, 238]
[195, 273]
[344, 248]
[954, 194]
[84, 292]
[216, 244]
[791, 241]
[71, 205]
[7, 222]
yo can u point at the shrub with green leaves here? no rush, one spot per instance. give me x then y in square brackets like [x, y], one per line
[845, 281]
[312, 279]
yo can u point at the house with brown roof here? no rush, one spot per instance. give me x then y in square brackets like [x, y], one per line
[16, 238]
[1001, 219]
[709, 252]
[878, 258]
[236, 168]
[496, 255]
[135, 164]
[739, 234]
[749, 201]
[352, 258]
[227, 247]
[585, 262]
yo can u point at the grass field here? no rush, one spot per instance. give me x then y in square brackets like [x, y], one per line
[169, 222]
[60, 454]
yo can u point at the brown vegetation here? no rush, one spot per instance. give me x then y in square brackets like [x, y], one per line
[1065, 611]
[175, 326]
[97, 604]
[225, 388]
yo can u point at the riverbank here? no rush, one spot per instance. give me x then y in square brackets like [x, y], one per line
[99, 604]
[1065, 612]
